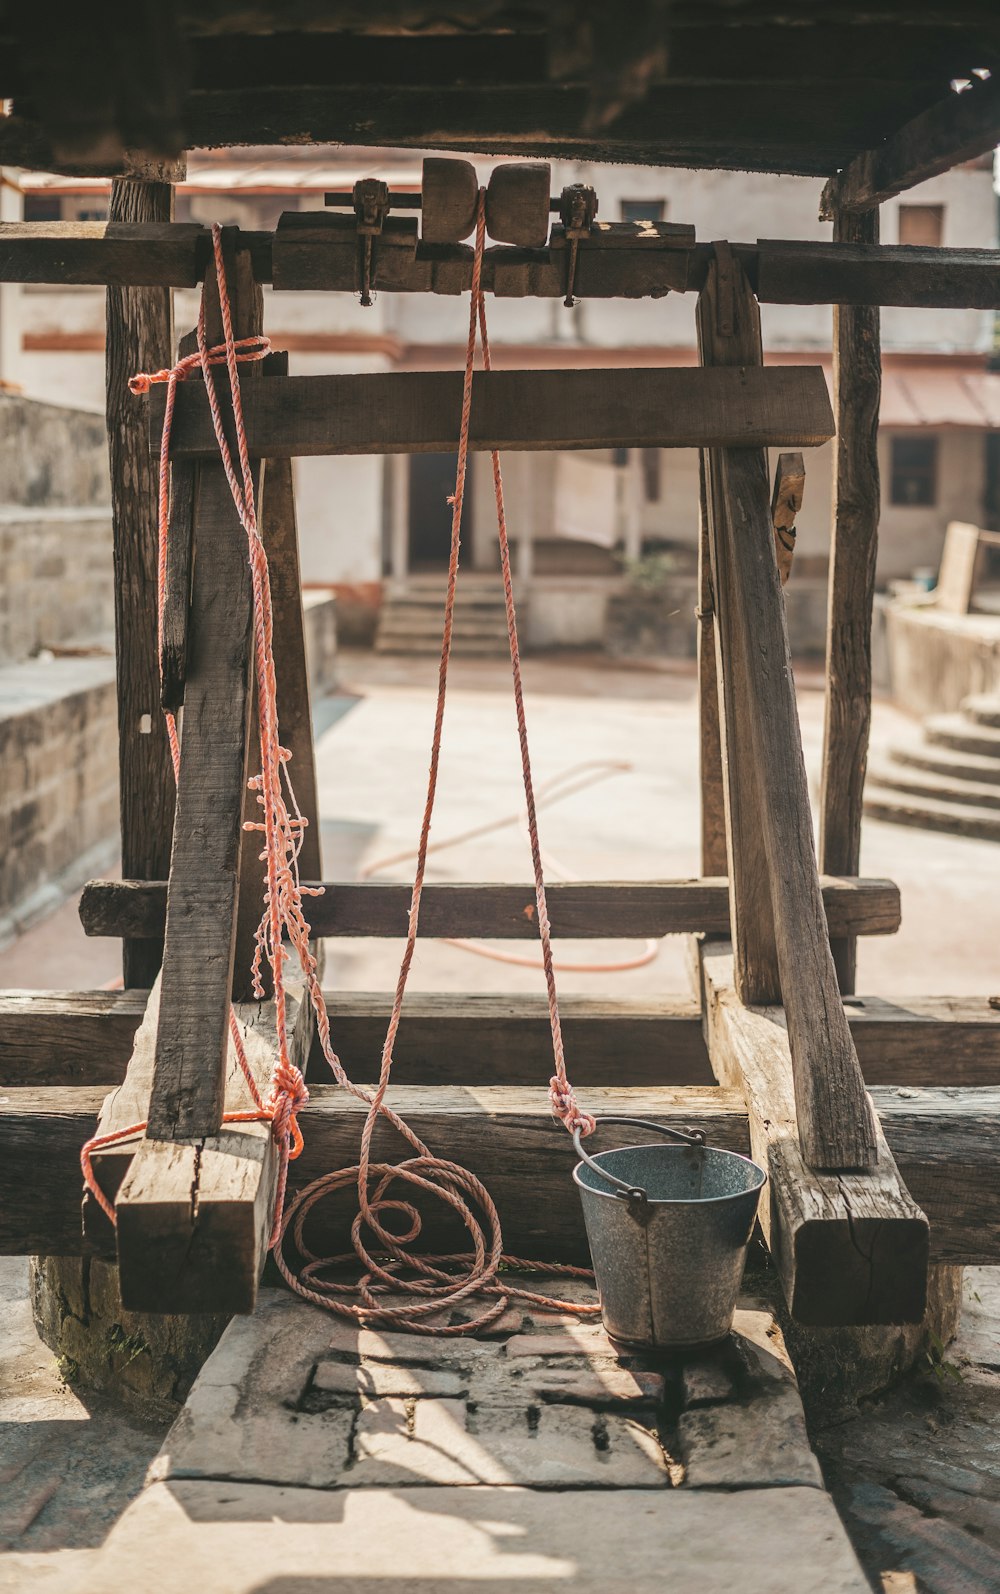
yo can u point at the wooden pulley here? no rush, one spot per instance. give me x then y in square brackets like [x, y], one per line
[518, 203]
[449, 196]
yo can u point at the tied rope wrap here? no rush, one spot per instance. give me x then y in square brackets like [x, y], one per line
[431, 1283]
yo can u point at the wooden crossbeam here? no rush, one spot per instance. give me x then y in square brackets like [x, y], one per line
[944, 1142]
[417, 411]
[578, 910]
[957, 129]
[59, 1038]
[615, 261]
[835, 1124]
[850, 1248]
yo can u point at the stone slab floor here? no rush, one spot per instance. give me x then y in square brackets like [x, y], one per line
[916, 1475]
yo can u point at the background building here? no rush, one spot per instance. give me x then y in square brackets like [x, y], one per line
[375, 526]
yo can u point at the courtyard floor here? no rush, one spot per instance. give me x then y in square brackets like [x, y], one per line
[635, 732]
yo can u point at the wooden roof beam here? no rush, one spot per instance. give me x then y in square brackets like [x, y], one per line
[956, 129]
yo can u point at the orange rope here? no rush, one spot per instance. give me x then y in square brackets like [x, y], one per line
[436, 1282]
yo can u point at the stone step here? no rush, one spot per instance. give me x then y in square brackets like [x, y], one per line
[940, 788]
[947, 763]
[490, 599]
[926, 813]
[965, 736]
[420, 642]
[984, 708]
[431, 621]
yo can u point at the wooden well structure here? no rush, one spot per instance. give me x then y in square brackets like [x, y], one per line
[878, 1123]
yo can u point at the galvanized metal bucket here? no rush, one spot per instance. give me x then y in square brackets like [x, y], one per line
[668, 1228]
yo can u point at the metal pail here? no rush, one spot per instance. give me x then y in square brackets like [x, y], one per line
[668, 1228]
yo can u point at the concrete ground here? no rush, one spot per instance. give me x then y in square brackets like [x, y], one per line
[67, 1466]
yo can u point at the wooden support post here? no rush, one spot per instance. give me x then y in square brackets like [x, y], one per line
[857, 382]
[139, 338]
[188, 1087]
[713, 798]
[281, 543]
[835, 1122]
[729, 335]
[850, 1248]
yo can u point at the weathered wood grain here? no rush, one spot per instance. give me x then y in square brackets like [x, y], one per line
[139, 338]
[945, 1142]
[206, 878]
[835, 1123]
[578, 910]
[417, 411]
[180, 562]
[57, 1038]
[193, 1219]
[857, 385]
[729, 336]
[615, 261]
[714, 857]
[957, 129]
[850, 1248]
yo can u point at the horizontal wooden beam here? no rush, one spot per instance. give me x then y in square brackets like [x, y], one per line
[417, 412]
[310, 251]
[957, 129]
[579, 910]
[850, 1248]
[944, 1142]
[58, 1038]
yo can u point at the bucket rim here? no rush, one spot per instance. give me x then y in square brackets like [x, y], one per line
[706, 1201]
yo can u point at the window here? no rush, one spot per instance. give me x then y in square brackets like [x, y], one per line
[644, 210]
[921, 224]
[914, 471]
[42, 207]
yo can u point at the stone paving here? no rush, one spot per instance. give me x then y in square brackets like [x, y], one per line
[536, 1455]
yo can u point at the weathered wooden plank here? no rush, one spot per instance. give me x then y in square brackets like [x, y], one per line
[180, 562]
[193, 1219]
[206, 876]
[850, 1248]
[729, 336]
[945, 1142]
[857, 386]
[714, 857]
[281, 543]
[139, 338]
[310, 252]
[853, 271]
[57, 1038]
[834, 1117]
[957, 129]
[418, 411]
[786, 501]
[578, 910]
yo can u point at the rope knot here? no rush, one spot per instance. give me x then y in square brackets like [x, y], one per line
[567, 1109]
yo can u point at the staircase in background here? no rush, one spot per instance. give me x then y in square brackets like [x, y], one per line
[412, 615]
[950, 781]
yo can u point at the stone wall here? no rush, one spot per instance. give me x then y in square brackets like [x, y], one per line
[935, 660]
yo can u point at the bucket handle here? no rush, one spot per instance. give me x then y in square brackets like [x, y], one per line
[624, 1191]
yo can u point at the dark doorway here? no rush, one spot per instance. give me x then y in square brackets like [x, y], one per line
[432, 482]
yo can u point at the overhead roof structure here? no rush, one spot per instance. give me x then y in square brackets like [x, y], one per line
[805, 88]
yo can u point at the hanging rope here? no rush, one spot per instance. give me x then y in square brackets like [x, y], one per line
[432, 1283]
